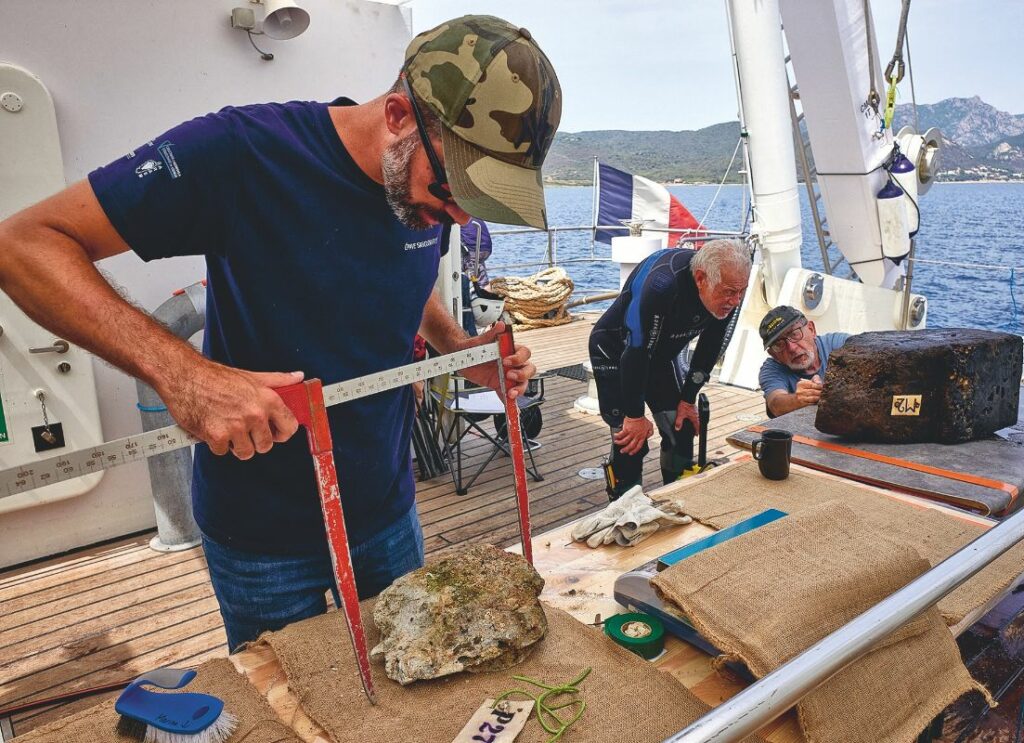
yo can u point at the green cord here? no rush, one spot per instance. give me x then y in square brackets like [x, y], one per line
[546, 709]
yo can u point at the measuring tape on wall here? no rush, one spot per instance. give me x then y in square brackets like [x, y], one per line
[69, 465]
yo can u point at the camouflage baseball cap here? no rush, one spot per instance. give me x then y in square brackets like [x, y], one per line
[500, 103]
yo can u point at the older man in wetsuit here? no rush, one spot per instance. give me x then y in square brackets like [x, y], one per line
[672, 297]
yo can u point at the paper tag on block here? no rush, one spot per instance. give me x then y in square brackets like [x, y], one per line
[906, 405]
[491, 724]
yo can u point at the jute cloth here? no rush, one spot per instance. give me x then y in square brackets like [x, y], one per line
[769, 594]
[735, 494]
[627, 698]
[257, 722]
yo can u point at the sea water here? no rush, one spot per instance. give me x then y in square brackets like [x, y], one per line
[973, 225]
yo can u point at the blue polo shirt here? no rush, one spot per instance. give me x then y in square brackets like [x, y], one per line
[308, 269]
[776, 376]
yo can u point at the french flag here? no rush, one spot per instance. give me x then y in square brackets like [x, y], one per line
[624, 196]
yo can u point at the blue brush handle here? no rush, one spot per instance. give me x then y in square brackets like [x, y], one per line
[187, 713]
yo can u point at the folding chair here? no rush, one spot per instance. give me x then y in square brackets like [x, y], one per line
[430, 458]
[465, 409]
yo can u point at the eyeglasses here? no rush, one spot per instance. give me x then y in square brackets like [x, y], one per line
[793, 336]
[439, 189]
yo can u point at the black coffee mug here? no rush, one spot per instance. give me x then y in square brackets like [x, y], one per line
[772, 452]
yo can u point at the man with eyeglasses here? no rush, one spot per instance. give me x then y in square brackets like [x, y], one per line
[322, 225]
[672, 297]
[791, 378]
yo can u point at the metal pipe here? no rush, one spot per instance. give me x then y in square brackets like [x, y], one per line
[595, 186]
[591, 298]
[705, 234]
[544, 262]
[907, 280]
[762, 702]
[170, 474]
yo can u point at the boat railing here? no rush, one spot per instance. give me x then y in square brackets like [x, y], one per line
[551, 259]
[767, 699]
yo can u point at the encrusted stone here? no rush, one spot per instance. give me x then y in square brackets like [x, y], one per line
[943, 385]
[475, 609]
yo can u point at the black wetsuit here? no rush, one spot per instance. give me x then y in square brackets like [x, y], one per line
[635, 351]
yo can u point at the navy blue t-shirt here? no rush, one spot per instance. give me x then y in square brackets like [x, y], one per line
[308, 269]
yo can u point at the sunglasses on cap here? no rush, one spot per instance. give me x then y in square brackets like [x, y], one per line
[439, 189]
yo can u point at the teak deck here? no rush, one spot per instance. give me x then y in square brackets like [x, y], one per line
[113, 611]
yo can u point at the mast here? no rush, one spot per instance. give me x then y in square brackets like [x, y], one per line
[763, 92]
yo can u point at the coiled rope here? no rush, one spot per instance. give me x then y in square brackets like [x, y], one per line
[537, 301]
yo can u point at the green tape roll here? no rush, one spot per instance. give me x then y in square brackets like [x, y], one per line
[641, 633]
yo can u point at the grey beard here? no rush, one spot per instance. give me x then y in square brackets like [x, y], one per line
[812, 357]
[394, 165]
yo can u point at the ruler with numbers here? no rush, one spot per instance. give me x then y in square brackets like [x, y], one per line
[69, 465]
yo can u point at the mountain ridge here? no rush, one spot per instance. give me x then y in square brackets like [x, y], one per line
[980, 143]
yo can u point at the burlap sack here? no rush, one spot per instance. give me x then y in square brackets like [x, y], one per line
[627, 698]
[768, 595]
[740, 492]
[257, 722]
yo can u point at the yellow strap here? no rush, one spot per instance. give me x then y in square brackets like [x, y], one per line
[890, 103]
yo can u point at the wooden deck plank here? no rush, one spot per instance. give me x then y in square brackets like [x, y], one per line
[125, 660]
[170, 583]
[67, 634]
[106, 578]
[105, 590]
[25, 578]
[73, 650]
[557, 455]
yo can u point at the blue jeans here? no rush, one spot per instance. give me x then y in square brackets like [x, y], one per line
[258, 592]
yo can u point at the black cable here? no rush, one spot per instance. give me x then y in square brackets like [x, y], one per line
[265, 56]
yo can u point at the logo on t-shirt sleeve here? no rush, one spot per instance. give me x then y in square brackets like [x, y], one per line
[169, 160]
[148, 168]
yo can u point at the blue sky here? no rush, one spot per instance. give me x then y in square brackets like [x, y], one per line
[664, 64]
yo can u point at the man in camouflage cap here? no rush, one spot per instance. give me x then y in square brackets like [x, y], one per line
[332, 276]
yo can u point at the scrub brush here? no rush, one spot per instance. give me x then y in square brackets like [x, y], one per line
[172, 718]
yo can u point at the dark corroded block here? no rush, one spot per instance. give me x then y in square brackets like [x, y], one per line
[943, 386]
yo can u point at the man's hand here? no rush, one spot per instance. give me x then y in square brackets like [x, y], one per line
[232, 409]
[635, 431]
[808, 391]
[687, 411]
[518, 369]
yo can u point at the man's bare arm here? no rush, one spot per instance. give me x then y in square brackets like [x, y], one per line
[46, 267]
[808, 392]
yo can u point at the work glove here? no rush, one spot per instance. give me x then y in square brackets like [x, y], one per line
[642, 520]
[629, 520]
[598, 524]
